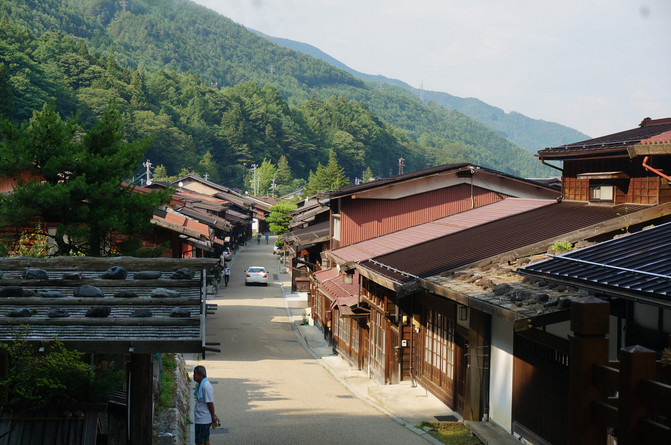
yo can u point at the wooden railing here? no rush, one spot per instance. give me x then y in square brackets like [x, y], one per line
[624, 399]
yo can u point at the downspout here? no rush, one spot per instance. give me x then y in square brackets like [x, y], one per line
[654, 170]
[553, 166]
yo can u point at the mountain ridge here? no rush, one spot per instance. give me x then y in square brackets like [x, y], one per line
[506, 124]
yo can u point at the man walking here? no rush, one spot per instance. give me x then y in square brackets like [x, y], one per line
[227, 275]
[203, 413]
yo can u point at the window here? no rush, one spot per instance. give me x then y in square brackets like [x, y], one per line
[601, 193]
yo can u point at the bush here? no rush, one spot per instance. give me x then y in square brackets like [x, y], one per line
[39, 378]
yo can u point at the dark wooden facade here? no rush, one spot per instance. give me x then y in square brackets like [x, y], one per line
[632, 183]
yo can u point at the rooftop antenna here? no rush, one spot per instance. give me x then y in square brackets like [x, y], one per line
[401, 164]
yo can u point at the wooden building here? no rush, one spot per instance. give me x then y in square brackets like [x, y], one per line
[439, 300]
[155, 308]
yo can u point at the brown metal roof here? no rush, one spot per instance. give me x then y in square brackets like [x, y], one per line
[436, 229]
[311, 234]
[490, 239]
[347, 191]
[612, 144]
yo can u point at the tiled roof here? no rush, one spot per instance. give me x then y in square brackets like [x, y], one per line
[437, 229]
[637, 265]
[491, 239]
[138, 315]
[615, 143]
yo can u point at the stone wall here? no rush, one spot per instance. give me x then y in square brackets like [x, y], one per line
[172, 425]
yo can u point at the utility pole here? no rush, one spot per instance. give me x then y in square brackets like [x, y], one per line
[254, 179]
[124, 4]
[401, 164]
[148, 166]
[271, 68]
[421, 92]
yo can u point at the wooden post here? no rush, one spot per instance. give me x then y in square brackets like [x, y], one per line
[589, 346]
[636, 363]
[478, 361]
[141, 399]
[4, 373]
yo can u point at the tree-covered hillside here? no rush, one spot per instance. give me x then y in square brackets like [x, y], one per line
[182, 73]
[530, 134]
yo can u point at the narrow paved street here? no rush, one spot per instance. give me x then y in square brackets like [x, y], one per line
[268, 388]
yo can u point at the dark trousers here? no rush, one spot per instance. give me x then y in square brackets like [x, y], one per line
[226, 277]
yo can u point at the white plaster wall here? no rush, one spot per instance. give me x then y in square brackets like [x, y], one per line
[562, 329]
[646, 315]
[501, 374]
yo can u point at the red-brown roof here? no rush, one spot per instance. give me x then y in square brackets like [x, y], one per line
[331, 284]
[437, 229]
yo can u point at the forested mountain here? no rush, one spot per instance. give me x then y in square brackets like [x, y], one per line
[202, 86]
[530, 134]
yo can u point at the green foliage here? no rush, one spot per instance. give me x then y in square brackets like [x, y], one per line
[331, 177]
[168, 390]
[74, 178]
[280, 217]
[81, 54]
[562, 245]
[56, 375]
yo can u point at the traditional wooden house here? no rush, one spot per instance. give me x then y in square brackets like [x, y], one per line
[391, 215]
[447, 311]
[242, 211]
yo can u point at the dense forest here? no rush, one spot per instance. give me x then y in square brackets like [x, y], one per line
[214, 97]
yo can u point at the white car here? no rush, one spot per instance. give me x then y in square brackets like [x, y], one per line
[227, 254]
[256, 274]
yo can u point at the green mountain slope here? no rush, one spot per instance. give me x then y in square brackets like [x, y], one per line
[179, 36]
[530, 134]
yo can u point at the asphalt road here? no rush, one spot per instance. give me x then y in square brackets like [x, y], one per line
[268, 388]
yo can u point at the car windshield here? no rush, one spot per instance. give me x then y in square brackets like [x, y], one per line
[256, 270]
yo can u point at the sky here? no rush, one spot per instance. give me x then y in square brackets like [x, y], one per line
[598, 66]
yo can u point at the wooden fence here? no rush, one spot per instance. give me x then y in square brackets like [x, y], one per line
[623, 399]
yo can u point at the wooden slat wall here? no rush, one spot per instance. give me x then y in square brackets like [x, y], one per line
[365, 219]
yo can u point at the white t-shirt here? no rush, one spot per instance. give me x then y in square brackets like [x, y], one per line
[201, 414]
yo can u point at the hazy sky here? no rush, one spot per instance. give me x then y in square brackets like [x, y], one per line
[599, 66]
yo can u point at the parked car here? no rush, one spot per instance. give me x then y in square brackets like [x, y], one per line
[256, 274]
[227, 254]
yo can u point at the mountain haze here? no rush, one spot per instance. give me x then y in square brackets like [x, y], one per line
[199, 83]
[530, 134]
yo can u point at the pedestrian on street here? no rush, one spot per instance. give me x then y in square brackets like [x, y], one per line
[258, 239]
[227, 275]
[203, 413]
[266, 237]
